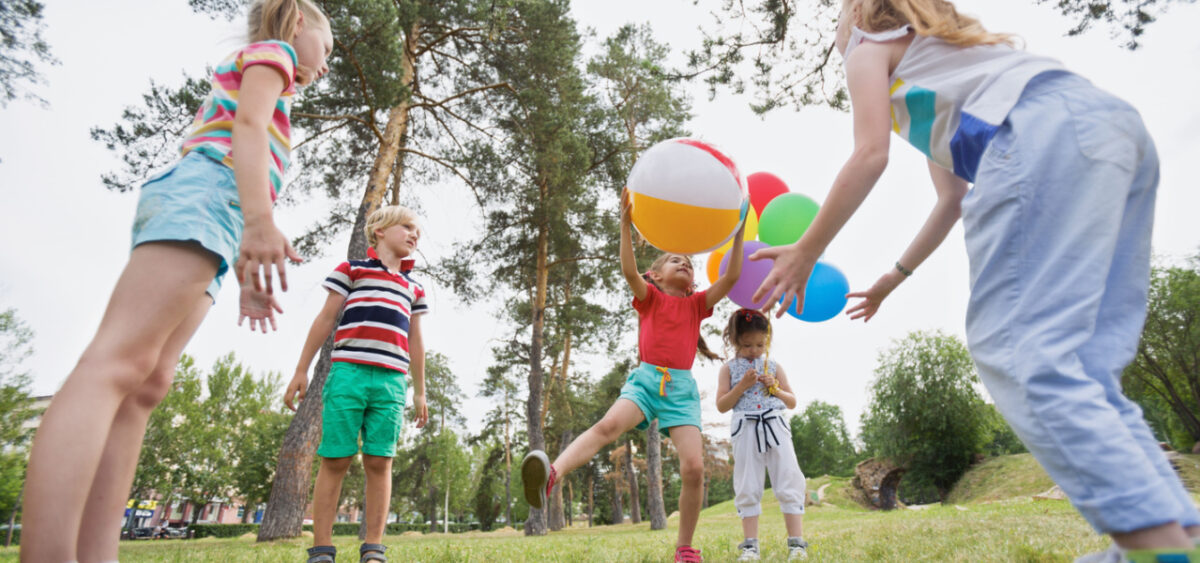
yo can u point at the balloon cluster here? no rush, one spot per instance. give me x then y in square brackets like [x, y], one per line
[779, 217]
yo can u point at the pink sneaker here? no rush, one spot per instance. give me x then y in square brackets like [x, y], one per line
[687, 554]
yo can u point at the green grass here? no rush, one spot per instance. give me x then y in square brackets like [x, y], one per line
[1017, 530]
[1000, 478]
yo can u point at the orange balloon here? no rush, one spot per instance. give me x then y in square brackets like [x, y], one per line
[713, 266]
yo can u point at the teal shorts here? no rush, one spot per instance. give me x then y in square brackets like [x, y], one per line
[674, 401]
[362, 401]
[194, 200]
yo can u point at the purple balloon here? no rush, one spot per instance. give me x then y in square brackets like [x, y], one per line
[753, 274]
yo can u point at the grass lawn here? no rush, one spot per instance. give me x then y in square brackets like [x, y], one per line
[1013, 530]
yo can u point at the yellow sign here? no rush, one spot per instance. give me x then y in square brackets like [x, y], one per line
[144, 504]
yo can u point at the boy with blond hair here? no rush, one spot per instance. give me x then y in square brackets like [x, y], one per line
[378, 342]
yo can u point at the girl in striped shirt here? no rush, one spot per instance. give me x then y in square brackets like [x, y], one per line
[210, 211]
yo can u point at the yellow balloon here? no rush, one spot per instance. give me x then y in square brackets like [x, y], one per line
[751, 232]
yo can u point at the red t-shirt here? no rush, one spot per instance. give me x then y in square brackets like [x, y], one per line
[670, 327]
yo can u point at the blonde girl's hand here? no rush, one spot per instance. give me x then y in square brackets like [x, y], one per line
[873, 297]
[787, 279]
[766, 379]
[296, 390]
[258, 306]
[264, 247]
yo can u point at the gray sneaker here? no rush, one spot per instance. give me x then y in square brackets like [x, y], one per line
[748, 550]
[536, 477]
[797, 549]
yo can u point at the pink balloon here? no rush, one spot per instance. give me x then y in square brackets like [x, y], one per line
[753, 274]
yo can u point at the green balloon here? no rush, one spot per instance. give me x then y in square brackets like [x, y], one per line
[785, 218]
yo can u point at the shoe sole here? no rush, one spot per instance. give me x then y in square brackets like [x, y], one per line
[535, 471]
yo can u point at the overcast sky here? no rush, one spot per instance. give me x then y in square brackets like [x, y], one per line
[65, 237]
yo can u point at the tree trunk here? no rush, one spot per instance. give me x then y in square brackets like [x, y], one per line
[555, 517]
[591, 487]
[704, 491]
[618, 510]
[655, 507]
[284, 515]
[635, 501]
[569, 500]
[535, 525]
[362, 522]
[247, 513]
[12, 518]
[507, 467]
[433, 515]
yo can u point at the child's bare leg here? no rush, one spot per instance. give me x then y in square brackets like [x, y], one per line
[114, 476]
[155, 294]
[325, 497]
[1157, 537]
[623, 415]
[795, 525]
[749, 527]
[379, 494]
[691, 469]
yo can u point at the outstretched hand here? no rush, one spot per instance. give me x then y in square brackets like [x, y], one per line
[873, 297]
[787, 279]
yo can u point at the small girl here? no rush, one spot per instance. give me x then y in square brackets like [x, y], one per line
[669, 316]
[186, 235]
[759, 394]
[1057, 226]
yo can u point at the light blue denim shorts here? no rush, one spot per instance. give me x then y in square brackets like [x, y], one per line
[194, 200]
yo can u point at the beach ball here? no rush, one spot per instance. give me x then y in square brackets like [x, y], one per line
[824, 294]
[785, 219]
[687, 196]
[763, 187]
[753, 274]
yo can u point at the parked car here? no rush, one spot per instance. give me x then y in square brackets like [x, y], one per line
[137, 533]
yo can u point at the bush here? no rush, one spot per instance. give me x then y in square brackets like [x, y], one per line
[223, 530]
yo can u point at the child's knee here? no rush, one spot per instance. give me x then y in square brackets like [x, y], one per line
[124, 372]
[337, 465]
[152, 391]
[377, 464]
[691, 470]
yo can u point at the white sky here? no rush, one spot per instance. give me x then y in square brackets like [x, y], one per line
[65, 238]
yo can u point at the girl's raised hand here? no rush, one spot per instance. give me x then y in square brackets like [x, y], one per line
[264, 247]
[873, 297]
[787, 279]
[258, 306]
[626, 207]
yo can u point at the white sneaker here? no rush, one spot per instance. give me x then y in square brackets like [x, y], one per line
[797, 549]
[749, 550]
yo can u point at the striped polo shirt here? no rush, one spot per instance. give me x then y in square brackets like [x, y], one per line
[375, 318]
[212, 129]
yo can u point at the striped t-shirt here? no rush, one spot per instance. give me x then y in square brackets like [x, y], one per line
[375, 318]
[212, 130]
[949, 101]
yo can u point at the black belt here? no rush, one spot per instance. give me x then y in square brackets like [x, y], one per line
[764, 434]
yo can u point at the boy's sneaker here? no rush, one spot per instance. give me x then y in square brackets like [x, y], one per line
[748, 550]
[538, 477]
[797, 549]
[687, 554]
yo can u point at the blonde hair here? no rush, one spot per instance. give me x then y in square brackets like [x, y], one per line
[937, 18]
[385, 217]
[278, 19]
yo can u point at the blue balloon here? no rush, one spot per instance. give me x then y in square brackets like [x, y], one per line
[824, 294]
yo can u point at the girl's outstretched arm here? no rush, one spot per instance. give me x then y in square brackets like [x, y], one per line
[724, 284]
[950, 191]
[867, 81]
[263, 245]
[628, 263]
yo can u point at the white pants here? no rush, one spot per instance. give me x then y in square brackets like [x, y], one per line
[762, 440]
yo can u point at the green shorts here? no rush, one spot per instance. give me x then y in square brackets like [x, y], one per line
[674, 401]
[361, 400]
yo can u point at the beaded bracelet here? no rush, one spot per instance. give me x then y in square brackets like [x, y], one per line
[907, 272]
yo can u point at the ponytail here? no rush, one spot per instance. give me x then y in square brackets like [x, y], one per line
[278, 19]
[936, 18]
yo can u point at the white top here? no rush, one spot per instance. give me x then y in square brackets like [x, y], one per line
[948, 101]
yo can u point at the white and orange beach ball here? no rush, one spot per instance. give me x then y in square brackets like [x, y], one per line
[687, 196]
